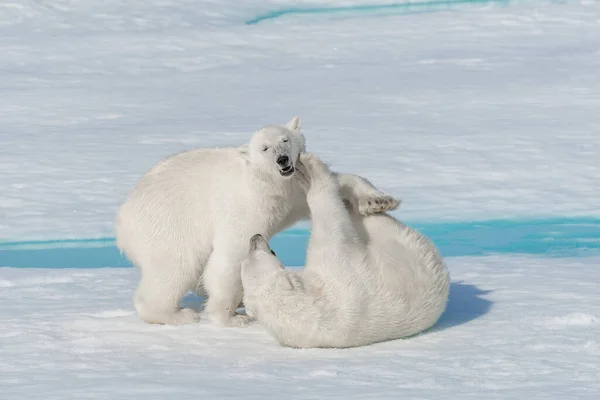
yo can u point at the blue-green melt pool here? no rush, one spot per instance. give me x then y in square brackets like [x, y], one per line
[556, 237]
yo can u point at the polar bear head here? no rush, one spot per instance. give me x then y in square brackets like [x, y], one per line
[261, 265]
[275, 149]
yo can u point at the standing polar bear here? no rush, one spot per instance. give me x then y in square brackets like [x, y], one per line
[367, 279]
[187, 223]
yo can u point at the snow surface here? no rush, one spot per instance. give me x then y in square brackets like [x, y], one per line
[473, 114]
[476, 113]
[515, 328]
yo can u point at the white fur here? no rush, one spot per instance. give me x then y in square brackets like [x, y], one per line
[367, 278]
[187, 222]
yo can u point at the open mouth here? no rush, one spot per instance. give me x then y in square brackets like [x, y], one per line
[287, 171]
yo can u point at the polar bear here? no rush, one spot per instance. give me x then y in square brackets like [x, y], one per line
[187, 222]
[367, 279]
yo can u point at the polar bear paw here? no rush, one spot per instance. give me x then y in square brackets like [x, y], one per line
[314, 166]
[240, 320]
[314, 171]
[377, 204]
[183, 316]
[235, 321]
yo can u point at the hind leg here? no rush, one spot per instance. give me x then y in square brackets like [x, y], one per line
[159, 293]
[361, 197]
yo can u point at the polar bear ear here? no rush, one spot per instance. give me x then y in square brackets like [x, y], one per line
[283, 282]
[293, 124]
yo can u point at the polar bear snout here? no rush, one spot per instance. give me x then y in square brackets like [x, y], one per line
[285, 165]
[287, 171]
[260, 263]
[283, 161]
[258, 242]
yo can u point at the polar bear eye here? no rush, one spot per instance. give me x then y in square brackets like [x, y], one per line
[265, 148]
[286, 140]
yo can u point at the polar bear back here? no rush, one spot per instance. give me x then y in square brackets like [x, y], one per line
[406, 288]
[400, 289]
[190, 191]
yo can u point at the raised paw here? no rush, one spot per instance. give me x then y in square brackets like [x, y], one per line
[316, 174]
[374, 205]
[313, 166]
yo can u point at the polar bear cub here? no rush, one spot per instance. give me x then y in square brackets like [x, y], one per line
[367, 279]
[187, 222]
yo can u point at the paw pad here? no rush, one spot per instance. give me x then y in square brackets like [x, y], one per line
[377, 205]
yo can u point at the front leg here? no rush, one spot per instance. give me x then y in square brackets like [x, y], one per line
[362, 197]
[223, 283]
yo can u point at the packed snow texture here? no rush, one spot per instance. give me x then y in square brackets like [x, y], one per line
[515, 328]
[479, 113]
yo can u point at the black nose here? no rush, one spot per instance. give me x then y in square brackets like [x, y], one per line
[283, 160]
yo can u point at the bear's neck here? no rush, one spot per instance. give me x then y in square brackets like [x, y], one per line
[268, 183]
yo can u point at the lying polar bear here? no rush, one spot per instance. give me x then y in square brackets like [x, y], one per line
[187, 221]
[367, 278]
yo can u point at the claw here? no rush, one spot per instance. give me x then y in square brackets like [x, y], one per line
[378, 204]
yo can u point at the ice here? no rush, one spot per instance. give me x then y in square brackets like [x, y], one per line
[472, 114]
[516, 327]
[476, 113]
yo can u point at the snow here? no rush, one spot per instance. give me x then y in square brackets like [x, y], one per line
[515, 327]
[475, 113]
